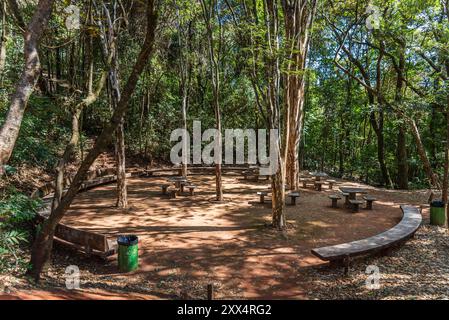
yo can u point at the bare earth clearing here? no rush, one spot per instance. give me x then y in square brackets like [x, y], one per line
[188, 242]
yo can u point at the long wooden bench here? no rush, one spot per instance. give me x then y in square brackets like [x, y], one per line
[411, 221]
[90, 243]
[87, 242]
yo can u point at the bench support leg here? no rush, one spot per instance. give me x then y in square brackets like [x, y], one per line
[369, 205]
[355, 208]
[347, 263]
[334, 203]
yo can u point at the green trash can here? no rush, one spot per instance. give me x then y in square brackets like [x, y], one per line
[437, 213]
[128, 253]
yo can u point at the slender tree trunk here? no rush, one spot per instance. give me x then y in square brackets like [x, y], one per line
[445, 195]
[122, 193]
[298, 19]
[209, 14]
[185, 160]
[402, 164]
[69, 150]
[110, 50]
[377, 125]
[44, 241]
[92, 96]
[3, 39]
[431, 176]
[184, 67]
[402, 179]
[25, 86]
[273, 76]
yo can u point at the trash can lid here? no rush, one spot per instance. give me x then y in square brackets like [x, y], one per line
[437, 204]
[127, 240]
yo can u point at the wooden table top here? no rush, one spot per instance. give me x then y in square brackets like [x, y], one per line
[177, 178]
[352, 190]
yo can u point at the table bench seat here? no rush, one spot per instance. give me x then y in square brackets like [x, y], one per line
[334, 198]
[262, 195]
[191, 188]
[355, 205]
[164, 188]
[331, 184]
[318, 185]
[293, 196]
[369, 202]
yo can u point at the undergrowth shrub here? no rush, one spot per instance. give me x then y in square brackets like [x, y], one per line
[16, 214]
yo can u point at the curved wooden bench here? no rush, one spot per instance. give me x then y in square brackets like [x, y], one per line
[88, 242]
[193, 170]
[411, 221]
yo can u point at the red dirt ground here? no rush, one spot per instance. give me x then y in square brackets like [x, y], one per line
[202, 241]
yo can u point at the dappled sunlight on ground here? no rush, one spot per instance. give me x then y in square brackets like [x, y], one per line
[228, 242]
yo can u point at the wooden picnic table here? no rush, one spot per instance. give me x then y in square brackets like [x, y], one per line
[177, 180]
[319, 175]
[352, 191]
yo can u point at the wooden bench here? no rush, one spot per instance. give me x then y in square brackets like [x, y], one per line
[355, 205]
[405, 229]
[164, 188]
[90, 243]
[331, 184]
[191, 188]
[86, 242]
[335, 199]
[369, 202]
[318, 185]
[293, 196]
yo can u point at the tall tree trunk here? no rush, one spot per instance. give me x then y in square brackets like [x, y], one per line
[378, 127]
[25, 86]
[184, 67]
[273, 76]
[3, 39]
[431, 176]
[445, 195]
[92, 96]
[402, 178]
[185, 160]
[122, 192]
[110, 51]
[401, 156]
[298, 19]
[209, 14]
[42, 246]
